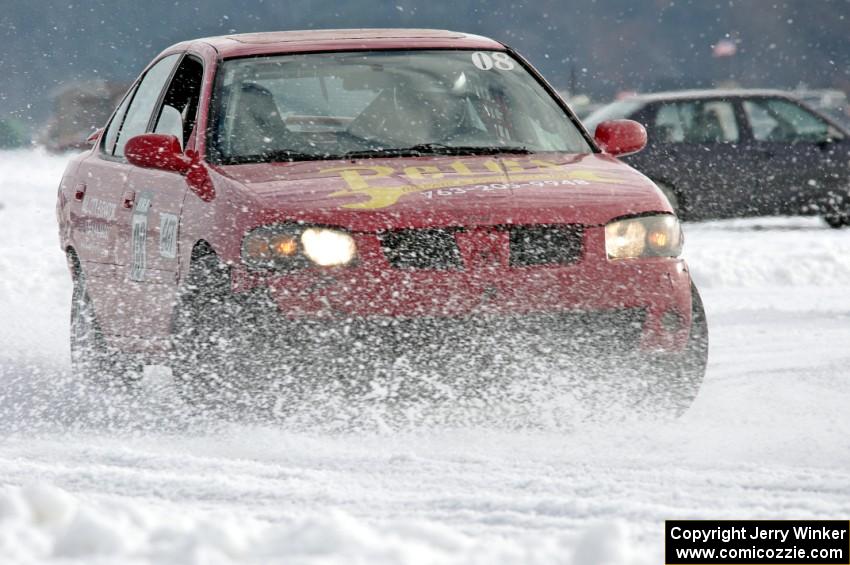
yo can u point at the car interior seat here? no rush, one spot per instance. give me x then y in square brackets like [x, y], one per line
[400, 117]
[257, 123]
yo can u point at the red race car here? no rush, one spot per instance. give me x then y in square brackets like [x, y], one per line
[278, 207]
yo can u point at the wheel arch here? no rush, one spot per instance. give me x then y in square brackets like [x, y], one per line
[201, 248]
[681, 207]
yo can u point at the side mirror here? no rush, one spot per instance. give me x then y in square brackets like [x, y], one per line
[620, 137]
[157, 151]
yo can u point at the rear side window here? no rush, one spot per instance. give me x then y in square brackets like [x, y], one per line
[115, 124]
[180, 105]
[696, 121]
[146, 96]
[777, 120]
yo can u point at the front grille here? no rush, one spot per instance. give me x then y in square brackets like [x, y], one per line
[421, 249]
[545, 245]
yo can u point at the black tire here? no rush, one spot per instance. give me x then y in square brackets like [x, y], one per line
[92, 360]
[199, 362]
[219, 362]
[681, 376]
[836, 221]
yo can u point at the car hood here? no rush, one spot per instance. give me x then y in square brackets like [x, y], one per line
[377, 194]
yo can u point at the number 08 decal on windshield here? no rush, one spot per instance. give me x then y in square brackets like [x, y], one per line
[495, 60]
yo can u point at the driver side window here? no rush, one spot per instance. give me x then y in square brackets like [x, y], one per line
[180, 104]
[144, 100]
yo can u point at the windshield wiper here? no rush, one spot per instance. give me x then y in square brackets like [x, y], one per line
[280, 155]
[437, 149]
[287, 155]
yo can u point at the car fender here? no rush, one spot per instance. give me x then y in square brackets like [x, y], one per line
[64, 197]
[211, 223]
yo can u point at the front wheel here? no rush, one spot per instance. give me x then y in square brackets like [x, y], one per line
[224, 359]
[680, 377]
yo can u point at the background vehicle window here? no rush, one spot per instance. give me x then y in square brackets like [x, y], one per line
[115, 124]
[141, 108]
[774, 119]
[180, 104]
[672, 121]
[696, 121]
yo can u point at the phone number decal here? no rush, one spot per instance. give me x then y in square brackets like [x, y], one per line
[501, 186]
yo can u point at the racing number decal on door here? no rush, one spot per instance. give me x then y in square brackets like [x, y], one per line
[498, 60]
[140, 235]
[168, 236]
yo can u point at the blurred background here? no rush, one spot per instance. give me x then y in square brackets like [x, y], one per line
[65, 64]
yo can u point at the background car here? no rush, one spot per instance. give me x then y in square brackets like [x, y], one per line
[737, 153]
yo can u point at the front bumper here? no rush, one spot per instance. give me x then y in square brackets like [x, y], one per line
[620, 331]
[488, 288]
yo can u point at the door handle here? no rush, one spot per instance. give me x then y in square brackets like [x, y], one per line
[129, 199]
[80, 191]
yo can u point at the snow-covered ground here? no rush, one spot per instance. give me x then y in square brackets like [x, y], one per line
[84, 482]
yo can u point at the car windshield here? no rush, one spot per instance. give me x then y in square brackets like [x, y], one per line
[384, 103]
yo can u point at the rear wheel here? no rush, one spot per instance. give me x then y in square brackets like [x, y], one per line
[836, 221]
[91, 358]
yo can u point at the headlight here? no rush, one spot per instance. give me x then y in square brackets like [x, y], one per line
[328, 247]
[290, 247]
[647, 236]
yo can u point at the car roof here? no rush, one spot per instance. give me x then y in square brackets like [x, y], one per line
[264, 43]
[709, 93]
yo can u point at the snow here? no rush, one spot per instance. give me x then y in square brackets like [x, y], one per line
[89, 480]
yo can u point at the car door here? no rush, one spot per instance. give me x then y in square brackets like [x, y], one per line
[99, 192]
[802, 158]
[148, 254]
[99, 181]
[693, 148]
